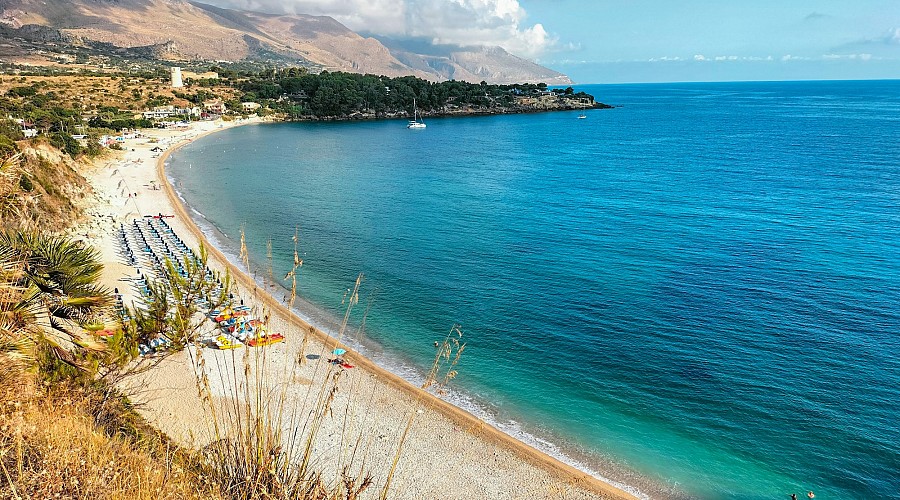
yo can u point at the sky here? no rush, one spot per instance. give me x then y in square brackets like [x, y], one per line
[621, 41]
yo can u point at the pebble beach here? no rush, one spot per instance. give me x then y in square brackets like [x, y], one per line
[447, 453]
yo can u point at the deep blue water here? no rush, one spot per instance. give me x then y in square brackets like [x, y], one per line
[701, 285]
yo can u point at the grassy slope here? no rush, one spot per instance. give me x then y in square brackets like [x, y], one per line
[59, 440]
[54, 442]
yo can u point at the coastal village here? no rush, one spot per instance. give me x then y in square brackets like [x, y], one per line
[184, 97]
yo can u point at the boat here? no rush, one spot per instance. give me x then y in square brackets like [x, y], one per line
[415, 123]
[223, 316]
[582, 116]
[243, 329]
[261, 336]
[223, 342]
[106, 334]
[269, 339]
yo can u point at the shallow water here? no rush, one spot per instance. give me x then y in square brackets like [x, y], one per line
[701, 285]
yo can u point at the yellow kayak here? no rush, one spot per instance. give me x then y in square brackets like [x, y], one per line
[223, 342]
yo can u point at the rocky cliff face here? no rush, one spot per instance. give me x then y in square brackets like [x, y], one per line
[183, 30]
[476, 64]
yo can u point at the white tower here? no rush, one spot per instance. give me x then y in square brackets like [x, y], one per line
[176, 78]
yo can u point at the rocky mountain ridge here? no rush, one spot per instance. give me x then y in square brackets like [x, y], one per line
[182, 30]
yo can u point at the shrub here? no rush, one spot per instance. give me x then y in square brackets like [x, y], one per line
[67, 143]
[7, 147]
[11, 130]
[21, 91]
[93, 148]
[26, 184]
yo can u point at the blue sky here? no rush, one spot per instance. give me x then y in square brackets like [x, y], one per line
[606, 41]
[693, 40]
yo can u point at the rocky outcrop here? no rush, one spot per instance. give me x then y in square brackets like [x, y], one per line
[471, 64]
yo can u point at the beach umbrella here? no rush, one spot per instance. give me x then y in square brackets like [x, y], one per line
[339, 352]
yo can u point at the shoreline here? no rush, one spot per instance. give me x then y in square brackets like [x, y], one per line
[566, 475]
[445, 114]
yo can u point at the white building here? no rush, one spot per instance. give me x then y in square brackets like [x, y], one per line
[192, 111]
[250, 106]
[176, 78]
[159, 112]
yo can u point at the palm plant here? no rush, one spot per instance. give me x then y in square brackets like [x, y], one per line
[15, 348]
[58, 284]
[10, 173]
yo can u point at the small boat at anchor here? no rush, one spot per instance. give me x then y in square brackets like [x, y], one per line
[415, 123]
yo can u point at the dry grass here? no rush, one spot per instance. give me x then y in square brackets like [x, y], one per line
[94, 92]
[51, 446]
[272, 442]
[264, 446]
[52, 203]
[65, 440]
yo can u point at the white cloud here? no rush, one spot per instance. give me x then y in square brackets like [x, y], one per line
[894, 38]
[785, 58]
[885, 40]
[459, 22]
[728, 58]
[852, 57]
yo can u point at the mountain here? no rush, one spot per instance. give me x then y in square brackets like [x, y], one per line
[182, 30]
[471, 64]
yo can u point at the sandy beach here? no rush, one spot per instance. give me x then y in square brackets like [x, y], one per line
[448, 454]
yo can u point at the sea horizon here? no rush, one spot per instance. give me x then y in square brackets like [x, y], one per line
[583, 86]
[630, 288]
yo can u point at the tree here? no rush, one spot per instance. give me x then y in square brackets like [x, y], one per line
[66, 143]
[11, 129]
[174, 302]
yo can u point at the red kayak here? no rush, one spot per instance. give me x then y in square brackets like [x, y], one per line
[273, 338]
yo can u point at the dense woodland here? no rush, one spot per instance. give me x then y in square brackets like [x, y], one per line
[342, 94]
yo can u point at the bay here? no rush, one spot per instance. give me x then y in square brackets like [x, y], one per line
[696, 293]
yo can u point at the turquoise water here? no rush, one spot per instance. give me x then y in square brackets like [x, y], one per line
[697, 292]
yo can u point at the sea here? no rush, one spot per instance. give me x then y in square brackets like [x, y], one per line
[695, 294]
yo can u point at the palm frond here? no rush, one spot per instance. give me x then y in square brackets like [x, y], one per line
[48, 284]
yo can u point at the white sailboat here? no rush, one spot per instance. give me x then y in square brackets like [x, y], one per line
[415, 123]
[582, 116]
